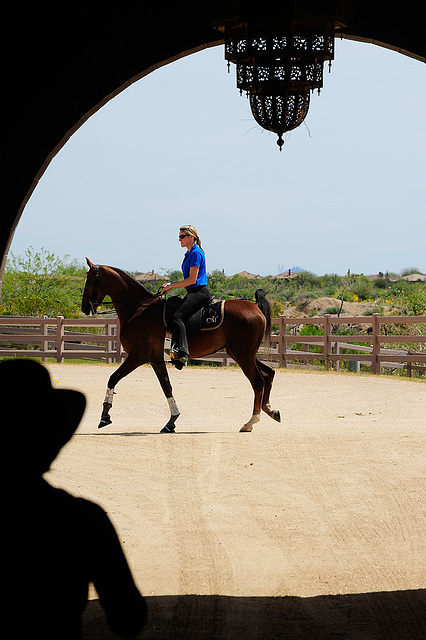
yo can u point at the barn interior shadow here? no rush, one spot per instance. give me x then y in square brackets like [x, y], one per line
[396, 615]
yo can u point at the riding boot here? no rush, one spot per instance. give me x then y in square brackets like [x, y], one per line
[181, 345]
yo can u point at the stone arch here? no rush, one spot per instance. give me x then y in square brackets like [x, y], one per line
[66, 61]
[67, 135]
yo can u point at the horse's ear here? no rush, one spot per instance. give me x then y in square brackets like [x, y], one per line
[89, 263]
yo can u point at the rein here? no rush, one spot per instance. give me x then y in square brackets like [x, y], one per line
[94, 302]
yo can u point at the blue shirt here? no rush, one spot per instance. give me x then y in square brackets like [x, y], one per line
[195, 258]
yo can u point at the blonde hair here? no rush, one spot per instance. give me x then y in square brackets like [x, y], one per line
[188, 228]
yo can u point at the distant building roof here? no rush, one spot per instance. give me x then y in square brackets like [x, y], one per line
[412, 277]
[380, 276]
[287, 275]
[150, 275]
[246, 274]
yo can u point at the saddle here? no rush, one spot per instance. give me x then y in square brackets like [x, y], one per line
[206, 319]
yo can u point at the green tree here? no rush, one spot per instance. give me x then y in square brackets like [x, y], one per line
[42, 284]
[409, 270]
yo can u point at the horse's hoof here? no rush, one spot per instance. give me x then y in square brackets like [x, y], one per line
[276, 415]
[168, 429]
[246, 428]
[105, 420]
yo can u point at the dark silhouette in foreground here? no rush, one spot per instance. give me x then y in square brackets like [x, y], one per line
[388, 615]
[58, 543]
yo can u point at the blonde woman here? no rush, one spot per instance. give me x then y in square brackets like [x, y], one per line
[195, 282]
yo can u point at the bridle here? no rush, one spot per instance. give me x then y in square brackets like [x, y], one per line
[92, 297]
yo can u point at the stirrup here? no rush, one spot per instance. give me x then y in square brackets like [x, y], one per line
[168, 347]
[178, 354]
[179, 363]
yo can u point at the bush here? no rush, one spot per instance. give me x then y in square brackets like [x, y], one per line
[277, 307]
[362, 288]
[311, 330]
[411, 301]
[307, 278]
[41, 284]
[409, 270]
[380, 283]
[334, 310]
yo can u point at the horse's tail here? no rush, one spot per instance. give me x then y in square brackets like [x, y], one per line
[265, 307]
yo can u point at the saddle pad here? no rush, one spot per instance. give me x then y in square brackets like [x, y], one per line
[205, 319]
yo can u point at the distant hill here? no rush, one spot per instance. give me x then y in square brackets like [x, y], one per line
[297, 269]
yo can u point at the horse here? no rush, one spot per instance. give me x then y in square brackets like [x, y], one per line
[142, 334]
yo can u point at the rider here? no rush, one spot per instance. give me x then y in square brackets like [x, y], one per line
[195, 282]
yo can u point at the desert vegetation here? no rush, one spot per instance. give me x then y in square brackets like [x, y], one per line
[39, 283]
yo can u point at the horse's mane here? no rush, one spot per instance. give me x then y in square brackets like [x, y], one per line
[140, 290]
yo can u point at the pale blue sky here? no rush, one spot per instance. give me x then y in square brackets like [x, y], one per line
[181, 147]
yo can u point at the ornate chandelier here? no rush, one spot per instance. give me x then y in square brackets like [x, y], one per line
[279, 49]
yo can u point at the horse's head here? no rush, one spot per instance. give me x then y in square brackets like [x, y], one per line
[93, 293]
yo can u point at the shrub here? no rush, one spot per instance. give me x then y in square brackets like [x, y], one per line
[362, 288]
[311, 330]
[307, 278]
[41, 284]
[334, 310]
[412, 301]
[380, 283]
[409, 270]
[277, 307]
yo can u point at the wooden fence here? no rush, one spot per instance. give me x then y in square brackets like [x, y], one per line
[54, 338]
[58, 338]
[331, 343]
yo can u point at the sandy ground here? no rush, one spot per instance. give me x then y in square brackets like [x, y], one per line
[311, 528]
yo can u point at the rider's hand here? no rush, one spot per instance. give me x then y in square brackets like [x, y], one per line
[166, 287]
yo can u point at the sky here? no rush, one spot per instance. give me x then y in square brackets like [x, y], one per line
[180, 146]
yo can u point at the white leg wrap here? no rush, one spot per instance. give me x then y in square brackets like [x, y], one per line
[173, 406]
[108, 396]
[253, 420]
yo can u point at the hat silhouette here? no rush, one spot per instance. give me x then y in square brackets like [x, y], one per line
[52, 559]
[40, 418]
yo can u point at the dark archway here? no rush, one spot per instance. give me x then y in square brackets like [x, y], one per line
[65, 62]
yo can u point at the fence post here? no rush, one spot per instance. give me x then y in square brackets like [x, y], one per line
[117, 343]
[109, 332]
[337, 353]
[375, 364]
[44, 330]
[60, 333]
[283, 343]
[327, 341]
[409, 366]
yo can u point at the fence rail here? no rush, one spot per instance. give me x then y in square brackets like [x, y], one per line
[58, 338]
[332, 344]
[55, 340]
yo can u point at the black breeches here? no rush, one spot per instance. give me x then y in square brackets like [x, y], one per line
[193, 301]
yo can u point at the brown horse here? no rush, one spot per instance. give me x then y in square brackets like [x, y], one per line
[142, 334]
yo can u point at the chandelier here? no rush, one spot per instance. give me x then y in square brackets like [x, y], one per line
[279, 49]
